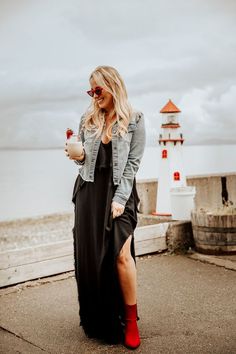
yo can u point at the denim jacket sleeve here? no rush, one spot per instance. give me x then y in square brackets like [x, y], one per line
[81, 134]
[136, 151]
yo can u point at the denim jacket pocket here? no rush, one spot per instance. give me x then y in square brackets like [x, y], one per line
[132, 127]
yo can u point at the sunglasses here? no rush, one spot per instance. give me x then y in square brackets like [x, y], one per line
[97, 90]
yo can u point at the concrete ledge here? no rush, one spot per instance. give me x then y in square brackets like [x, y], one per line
[44, 247]
[228, 262]
[41, 258]
[144, 219]
[45, 259]
[151, 238]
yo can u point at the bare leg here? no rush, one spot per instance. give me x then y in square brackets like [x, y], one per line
[127, 277]
[127, 274]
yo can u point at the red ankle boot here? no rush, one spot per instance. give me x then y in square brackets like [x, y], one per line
[132, 339]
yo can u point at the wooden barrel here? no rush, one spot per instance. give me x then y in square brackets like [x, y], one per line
[214, 234]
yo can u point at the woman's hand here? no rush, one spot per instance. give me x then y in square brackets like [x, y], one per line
[117, 209]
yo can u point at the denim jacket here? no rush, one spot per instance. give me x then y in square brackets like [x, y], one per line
[127, 152]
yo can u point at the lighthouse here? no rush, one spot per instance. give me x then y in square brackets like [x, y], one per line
[171, 170]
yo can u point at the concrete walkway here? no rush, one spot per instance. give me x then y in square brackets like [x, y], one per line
[185, 306]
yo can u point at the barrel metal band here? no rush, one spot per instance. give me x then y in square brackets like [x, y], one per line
[221, 230]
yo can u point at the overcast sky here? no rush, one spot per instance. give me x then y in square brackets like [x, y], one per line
[183, 50]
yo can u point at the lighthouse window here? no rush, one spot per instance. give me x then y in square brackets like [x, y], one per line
[171, 119]
[164, 154]
[176, 176]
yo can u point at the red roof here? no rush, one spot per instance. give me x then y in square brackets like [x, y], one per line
[170, 107]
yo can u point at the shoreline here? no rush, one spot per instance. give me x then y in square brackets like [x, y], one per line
[22, 233]
[31, 219]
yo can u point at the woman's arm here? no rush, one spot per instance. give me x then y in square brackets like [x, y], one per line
[137, 146]
[79, 160]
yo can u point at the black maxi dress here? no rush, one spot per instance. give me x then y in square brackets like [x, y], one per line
[98, 239]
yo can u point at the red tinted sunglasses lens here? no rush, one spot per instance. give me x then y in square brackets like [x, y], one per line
[97, 91]
[90, 93]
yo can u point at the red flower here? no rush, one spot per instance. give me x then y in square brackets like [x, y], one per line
[69, 132]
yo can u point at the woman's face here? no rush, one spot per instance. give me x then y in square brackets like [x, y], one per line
[105, 99]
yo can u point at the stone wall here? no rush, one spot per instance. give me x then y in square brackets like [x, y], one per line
[208, 191]
[147, 191]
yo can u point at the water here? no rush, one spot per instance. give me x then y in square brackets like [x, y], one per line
[40, 182]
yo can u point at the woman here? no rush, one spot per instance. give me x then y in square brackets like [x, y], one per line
[106, 199]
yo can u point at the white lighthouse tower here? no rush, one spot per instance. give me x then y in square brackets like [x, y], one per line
[171, 173]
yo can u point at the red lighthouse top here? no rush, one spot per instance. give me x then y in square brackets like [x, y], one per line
[170, 107]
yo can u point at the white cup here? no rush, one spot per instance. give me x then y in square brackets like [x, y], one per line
[74, 147]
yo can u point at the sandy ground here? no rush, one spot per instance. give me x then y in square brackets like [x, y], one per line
[27, 232]
[32, 231]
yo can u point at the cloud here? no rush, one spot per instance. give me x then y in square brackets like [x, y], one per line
[43, 126]
[185, 51]
[208, 115]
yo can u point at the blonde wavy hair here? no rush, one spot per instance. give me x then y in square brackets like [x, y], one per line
[109, 78]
